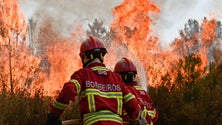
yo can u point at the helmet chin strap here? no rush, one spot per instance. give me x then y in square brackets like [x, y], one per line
[86, 63]
[89, 61]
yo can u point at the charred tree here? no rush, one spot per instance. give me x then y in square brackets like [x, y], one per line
[32, 33]
[98, 30]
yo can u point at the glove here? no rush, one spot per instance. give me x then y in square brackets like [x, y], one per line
[52, 120]
[141, 121]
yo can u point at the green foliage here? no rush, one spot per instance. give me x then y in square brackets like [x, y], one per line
[188, 70]
[196, 102]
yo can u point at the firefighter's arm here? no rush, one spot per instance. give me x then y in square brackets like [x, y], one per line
[154, 120]
[133, 110]
[135, 113]
[150, 115]
[68, 93]
[59, 105]
[141, 120]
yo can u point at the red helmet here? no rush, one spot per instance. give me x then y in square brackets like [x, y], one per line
[125, 66]
[92, 45]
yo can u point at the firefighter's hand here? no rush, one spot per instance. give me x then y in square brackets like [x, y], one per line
[142, 121]
[52, 120]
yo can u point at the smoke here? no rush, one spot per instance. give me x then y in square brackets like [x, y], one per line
[175, 13]
[172, 17]
[117, 52]
[66, 13]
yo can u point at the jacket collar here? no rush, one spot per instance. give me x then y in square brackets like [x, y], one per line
[93, 64]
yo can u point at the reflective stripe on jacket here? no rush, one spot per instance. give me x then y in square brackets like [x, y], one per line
[148, 109]
[98, 89]
[103, 115]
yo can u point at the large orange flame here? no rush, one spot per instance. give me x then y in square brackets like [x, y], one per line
[17, 67]
[131, 30]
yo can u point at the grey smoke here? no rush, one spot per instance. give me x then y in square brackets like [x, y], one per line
[172, 17]
[175, 13]
[66, 13]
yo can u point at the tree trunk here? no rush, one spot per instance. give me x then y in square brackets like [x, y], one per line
[10, 65]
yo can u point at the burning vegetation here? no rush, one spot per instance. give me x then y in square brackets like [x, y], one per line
[45, 59]
[42, 62]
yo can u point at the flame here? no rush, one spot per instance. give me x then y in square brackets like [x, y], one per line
[12, 21]
[208, 33]
[131, 28]
[12, 38]
[52, 66]
[22, 68]
[64, 59]
[60, 58]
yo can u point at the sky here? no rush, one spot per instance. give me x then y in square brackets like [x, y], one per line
[175, 13]
[172, 17]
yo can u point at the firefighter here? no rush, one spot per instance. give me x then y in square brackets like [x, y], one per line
[128, 71]
[101, 92]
